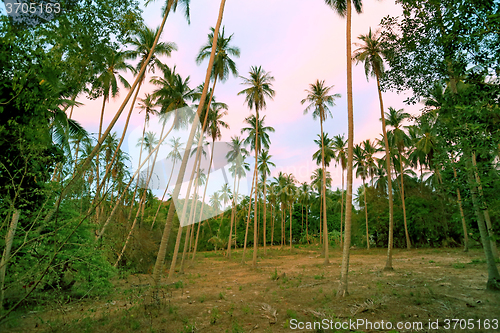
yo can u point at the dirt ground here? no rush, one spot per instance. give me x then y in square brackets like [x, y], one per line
[444, 289]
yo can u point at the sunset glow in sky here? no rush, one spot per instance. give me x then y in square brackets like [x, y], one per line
[298, 42]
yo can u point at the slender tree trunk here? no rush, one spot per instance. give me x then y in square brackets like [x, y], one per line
[493, 275]
[366, 218]
[97, 156]
[487, 219]
[164, 242]
[272, 225]
[464, 224]
[9, 238]
[323, 189]
[307, 223]
[186, 242]
[163, 196]
[408, 242]
[290, 209]
[388, 264]
[342, 210]
[282, 226]
[265, 213]
[254, 180]
[229, 245]
[255, 239]
[350, 144]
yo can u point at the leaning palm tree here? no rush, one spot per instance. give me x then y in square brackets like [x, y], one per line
[360, 163]
[401, 140]
[371, 53]
[319, 99]
[259, 88]
[264, 164]
[343, 8]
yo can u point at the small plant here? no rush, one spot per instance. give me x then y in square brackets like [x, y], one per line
[275, 275]
[431, 261]
[202, 298]
[178, 284]
[458, 265]
[291, 314]
[241, 287]
[237, 328]
[319, 277]
[246, 309]
[222, 295]
[214, 315]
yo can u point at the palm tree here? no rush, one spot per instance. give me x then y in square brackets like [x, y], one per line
[339, 148]
[225, 194]
[360, 163]
[343, 8]
[215, 202]
[401, 140]
[264, 164]
[291, 194]
[319, 99]
[371, 53]
[305, 200]
[259, 88]
[174, 155]
[223, 65]
[236, 156]
[168, 224]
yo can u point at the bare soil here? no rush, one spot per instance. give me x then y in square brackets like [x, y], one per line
[217, 294]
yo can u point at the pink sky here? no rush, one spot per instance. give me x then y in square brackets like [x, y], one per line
[298, 42]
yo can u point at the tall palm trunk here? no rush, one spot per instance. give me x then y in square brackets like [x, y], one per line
[388, 264]
[350, 145]
[366, 217]
[229, 245]
[464, 224]
[254, 186]
[265, 213]
[9, 238]
[163, 196]
[323, 190]
[342, 209]
[272, 225]
[408, 242]
[97, 156]
[168, 225]
[255, 239]
[290, 209]
[307, 223]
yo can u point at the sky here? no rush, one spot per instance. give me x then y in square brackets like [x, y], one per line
[296, 41]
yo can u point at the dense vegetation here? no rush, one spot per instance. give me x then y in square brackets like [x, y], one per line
[74, 214]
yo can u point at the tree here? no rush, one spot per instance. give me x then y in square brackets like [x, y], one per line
[401, 140]
[319, 99]
[339, 148]
[264, 164]
[371, 52]
[360, 163]
[259, 88]
[168, 225]
[343, 8]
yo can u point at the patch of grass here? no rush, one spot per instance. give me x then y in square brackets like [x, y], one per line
[202, 298]
[222, 295]
[241, 287]
[236, 328]
[319, 277]
[458, 265]
[274, 276]
[178, 284]
[246, 309]
[214, 315]
[431, 261]
[291, 314]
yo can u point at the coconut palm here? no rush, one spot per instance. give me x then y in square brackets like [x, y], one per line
[259, 88]
[319, 99]
[339, 148]
[174, 155]
[264, 164]
[360, 163]
[305, 200]
[236, 156]
[215, 202]
[328, 149]
[343, 8]
[371, 53]
[395, 119]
